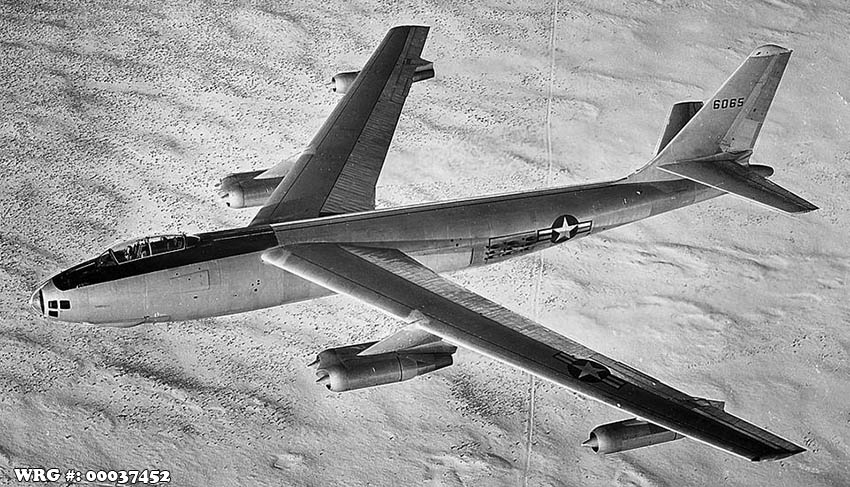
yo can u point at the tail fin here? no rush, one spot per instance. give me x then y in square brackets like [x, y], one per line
[706, 146]
[731, 120]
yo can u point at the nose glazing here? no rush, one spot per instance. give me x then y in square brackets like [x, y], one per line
[37, 302]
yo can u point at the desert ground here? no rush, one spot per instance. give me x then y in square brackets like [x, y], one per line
[119, 118]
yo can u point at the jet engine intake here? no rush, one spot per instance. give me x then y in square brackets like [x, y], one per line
[341, 369]
[244, 190]
[341, 82]
[628, 435]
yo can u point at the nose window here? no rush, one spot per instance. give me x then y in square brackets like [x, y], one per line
[54, 307]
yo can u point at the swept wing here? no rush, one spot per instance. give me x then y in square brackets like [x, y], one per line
[338, 170]
[395, 283]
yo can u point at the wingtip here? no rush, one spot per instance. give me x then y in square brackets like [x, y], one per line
[769, 50]
[803, 207]
[410, 26]
[781, 454]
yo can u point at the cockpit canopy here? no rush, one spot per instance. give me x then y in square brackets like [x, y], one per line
[145, 247]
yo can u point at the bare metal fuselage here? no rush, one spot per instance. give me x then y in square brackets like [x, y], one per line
[225, 274]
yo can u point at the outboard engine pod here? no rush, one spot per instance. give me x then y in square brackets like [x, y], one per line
[628, 435]
[244, 190]
[342, 81]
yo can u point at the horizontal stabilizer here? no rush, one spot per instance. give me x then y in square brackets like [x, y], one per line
[729, 176]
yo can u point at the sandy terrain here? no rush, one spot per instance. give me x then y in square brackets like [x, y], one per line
[118, 121]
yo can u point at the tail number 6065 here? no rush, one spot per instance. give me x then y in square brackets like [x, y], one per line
[728, 103]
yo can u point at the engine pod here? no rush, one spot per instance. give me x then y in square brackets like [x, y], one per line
[244, 190]
[341, 369]
[341, 82]
[628, 435]
[379, 370]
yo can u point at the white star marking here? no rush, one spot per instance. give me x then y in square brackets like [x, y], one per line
[565, 228]
[590, 370]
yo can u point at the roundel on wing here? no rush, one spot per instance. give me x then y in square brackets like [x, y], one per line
[564, 227]
[588, 370]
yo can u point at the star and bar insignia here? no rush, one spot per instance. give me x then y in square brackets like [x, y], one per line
[563, 228]
[566, 227]
[589, 371]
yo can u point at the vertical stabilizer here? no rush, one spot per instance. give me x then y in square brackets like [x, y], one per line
[713, 145]
[730, 121]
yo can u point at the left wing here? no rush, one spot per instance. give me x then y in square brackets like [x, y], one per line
[338, 170]
[395, 283]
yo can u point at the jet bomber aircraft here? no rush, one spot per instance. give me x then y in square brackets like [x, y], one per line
[318, 233]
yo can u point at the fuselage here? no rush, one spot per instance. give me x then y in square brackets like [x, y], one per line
[222, 272]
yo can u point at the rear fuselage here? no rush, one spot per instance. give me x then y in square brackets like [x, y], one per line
[223, 273]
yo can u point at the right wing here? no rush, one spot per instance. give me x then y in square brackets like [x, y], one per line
[338, 170]
[395, 283]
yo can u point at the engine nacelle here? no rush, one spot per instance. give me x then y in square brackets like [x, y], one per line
[341, 369]
[341, 82]
[244, 190]
[628, 435]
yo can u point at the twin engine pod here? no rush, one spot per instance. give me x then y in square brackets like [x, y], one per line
[342, 369]
[341, 82]
[636, 433]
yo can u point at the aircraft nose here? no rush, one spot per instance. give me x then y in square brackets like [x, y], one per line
[37, 301]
